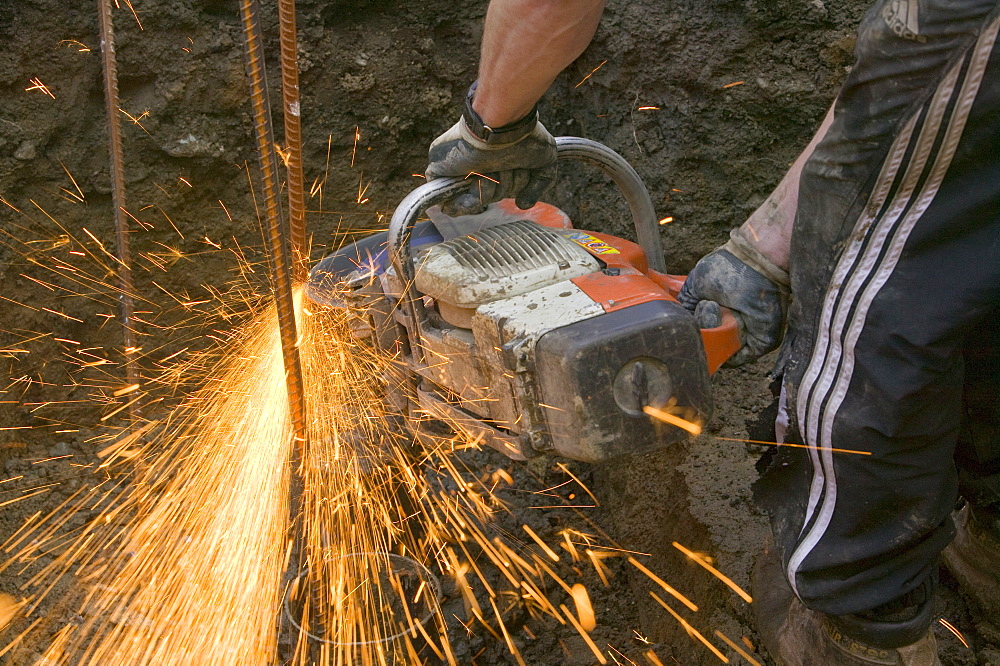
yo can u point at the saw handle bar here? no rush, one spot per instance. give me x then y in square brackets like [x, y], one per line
[567, 147]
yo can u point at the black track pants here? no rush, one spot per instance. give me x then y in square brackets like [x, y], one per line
[895, 269]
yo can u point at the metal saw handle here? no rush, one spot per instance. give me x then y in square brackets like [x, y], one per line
[647, 230]
[567, 147]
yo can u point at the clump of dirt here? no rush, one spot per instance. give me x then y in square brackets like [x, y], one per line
[709, 101]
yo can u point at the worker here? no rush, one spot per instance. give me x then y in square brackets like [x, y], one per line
[875, 265]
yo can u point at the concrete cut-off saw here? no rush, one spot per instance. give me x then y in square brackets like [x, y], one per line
[525, 333]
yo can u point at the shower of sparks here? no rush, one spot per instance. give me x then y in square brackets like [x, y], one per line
[193, 569]
[180, 549]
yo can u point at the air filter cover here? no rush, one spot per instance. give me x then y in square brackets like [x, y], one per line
[503, 261]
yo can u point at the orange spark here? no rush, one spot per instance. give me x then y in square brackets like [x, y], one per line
[584, 609]
[743, 653]
[82, 48]
[794, 446]
[225, 210]
[544, 546]
[136, 120]
[715, 572]
[693, 428]
[510, 644]
[62, 314]
[662, 583]
[602, 571]
[79, 192]
[36, 84]
[128, 3]
[652, 658]
[619, 653]
[586, 637]
[584, 79]
[362, 188]
[666, 220]
[950, 627]
[691, 631]
[483, 176]
[734, 83]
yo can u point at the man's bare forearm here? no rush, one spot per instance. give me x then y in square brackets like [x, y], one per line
[769, 228]
[526, 43]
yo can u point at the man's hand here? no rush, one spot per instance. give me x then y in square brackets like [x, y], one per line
[517, 160]
[739, 277]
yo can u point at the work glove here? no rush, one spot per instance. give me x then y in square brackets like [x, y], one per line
[739, 277]
[517, 160]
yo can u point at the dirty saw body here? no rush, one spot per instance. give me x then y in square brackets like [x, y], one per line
[525, 333]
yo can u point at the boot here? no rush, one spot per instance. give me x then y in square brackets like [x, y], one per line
[972, 558]
[797, 636]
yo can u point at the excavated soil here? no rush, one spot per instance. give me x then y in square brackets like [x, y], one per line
[710, 101]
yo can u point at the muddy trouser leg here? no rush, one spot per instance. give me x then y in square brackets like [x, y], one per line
[895, 267]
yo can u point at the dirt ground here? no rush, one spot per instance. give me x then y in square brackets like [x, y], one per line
[710, 102]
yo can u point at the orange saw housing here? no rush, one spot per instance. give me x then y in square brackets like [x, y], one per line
[634, 283]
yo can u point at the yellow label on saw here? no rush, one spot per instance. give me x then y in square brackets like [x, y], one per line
[591, 243]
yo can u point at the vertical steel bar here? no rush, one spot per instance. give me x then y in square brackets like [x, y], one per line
[281, 270]
[277, 240]
[118, 196]
[291, 113]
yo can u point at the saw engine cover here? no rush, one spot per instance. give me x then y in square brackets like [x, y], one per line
[506, 260]
[531, 336]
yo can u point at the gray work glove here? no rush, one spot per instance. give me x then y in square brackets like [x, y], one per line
[739, 277]
[517, 160]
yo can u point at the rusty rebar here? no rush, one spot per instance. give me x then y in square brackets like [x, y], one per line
[291, 112]
[124, 254]
[277, 239]
[280, 254]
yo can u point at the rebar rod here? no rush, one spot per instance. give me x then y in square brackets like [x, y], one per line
[117, 167]
[291, 112]
[277, 239]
